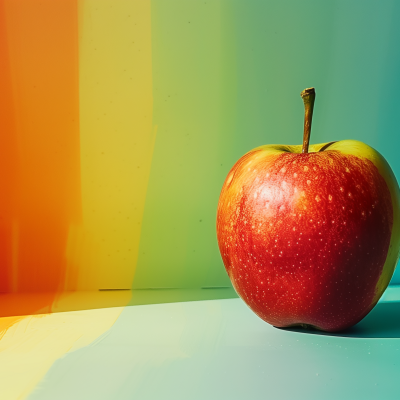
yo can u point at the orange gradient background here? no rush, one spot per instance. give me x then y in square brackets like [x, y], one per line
[39, 159]
[75, 151]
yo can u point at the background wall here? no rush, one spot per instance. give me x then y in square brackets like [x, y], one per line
[227, 77]
[121, 119]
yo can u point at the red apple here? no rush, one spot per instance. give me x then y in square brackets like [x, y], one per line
[310, 235]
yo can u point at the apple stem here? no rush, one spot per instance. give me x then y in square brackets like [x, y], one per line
[308, 96]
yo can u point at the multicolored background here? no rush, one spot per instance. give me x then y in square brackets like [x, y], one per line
[121, 118]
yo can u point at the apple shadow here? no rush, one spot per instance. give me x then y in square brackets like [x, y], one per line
[382, 322]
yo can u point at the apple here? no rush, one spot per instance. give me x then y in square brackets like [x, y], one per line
[310, 235]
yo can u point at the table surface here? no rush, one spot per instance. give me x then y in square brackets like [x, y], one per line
[212, 349]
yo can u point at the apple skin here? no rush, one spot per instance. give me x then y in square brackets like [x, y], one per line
[310, 239]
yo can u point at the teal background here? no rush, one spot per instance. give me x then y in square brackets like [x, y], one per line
[227, 77]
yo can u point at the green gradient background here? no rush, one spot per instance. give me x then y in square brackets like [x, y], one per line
[227, 77]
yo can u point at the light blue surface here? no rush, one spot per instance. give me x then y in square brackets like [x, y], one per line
[219, 349]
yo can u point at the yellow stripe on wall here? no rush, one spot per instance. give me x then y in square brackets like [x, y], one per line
[117, 140]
